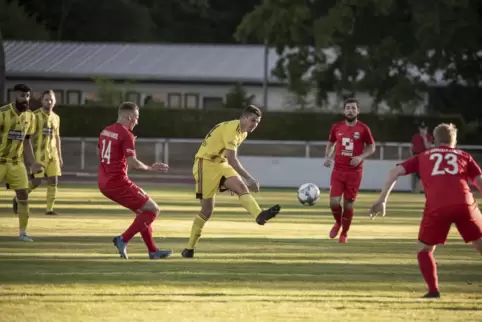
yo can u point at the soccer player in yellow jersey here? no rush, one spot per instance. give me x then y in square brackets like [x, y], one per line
[17, 125]
[216, 167]
[47, 149]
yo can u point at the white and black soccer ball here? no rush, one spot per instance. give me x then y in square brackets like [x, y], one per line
[308, 194]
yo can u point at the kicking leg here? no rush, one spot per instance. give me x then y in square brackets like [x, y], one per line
[23, 213]
[52, 183]
[346, 220]
[207, 208]
[32, 185]
[336, 211]
[236, 185]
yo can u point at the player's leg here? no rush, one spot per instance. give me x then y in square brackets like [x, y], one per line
[469, 224]
[352, 185]
[17, 178]
[154, 253]
[336, 191]
[233, 182]
[434, 230]
[53, 173]
[207, 176]
[35, 180]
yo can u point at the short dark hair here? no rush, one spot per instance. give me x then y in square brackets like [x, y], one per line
[128, 106]
[22, 88]
[251, 109]
[351, 100]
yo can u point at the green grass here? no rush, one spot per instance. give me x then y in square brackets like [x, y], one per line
[287, 270]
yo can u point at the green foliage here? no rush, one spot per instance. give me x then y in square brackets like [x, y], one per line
[16, 23]
[238, 98]
[88, 121]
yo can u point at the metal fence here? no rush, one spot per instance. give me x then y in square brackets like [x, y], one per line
[79, 154]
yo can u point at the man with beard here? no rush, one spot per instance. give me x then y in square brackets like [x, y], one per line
[354, 143]
[47, 150]
[17, 125]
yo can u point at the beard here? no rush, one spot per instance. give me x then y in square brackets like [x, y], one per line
[21, 106]
[350, 118]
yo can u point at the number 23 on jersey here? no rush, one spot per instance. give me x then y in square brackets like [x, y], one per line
[105, 152]
[444, 164]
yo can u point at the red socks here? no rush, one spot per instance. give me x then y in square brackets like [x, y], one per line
[428, 268]
[142, 221]
[336, 212]
[346, 221]
[147, 238]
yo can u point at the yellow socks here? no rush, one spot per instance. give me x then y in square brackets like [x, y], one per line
[196, 230]
[248, 202]
[22, 215]
[51, 194]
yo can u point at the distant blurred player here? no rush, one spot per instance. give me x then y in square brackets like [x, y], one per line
[354, 142]
[116, 150]
[47, 150]
[216, 167]
[445, 171]
[17, 125]
[421, 142]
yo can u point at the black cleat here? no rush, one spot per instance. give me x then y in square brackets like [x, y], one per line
[432, 295]
[51, 213]
[15, 205]
[267, 214]
[188, 253]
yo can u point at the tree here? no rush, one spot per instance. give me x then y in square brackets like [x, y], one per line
[383, 47]
[16, 23]
[238, 97]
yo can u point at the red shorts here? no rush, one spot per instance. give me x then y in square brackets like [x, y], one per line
[126, 194]
[435, 225]
[345, 184]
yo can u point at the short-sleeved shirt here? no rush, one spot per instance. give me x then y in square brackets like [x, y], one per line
[350, 142]
[115, 144]
[223, 136]
[14, 128]
[418, 144]
[47, 129]
[445, 173]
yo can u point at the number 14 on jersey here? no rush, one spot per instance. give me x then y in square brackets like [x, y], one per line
[105, 153]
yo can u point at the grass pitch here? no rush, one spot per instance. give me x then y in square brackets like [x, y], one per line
[288, 270]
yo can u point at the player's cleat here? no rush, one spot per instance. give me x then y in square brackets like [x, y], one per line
[432, 295]
[160, 254]
[343, 239]
[15, 205]
[188, 253]
[334, 230]
[25, 238]
[51, 213]
[267, 214]
[121, 246]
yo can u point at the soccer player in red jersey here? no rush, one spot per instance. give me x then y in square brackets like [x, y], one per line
[445, 172]
[353, 142]
[116, 150]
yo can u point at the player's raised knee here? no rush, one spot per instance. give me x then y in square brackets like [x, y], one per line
[335, 202]
[347, 204]
[151, 205]
[422, 247]
[236, 185]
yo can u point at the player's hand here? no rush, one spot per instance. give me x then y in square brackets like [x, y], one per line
[36, 167]
[356, 161]
[253, 184]
[61, 163]
[378, 208]
[327, 162]
[162, 167]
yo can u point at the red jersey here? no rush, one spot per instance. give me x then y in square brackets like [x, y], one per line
[418, 144]
[116, 143]
[445, 173]
[350, 142]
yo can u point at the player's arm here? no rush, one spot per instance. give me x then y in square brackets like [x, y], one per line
[59, 144]
[28, 147]
[369, 144]
[474, 173]
[135, 164]
[330, 146]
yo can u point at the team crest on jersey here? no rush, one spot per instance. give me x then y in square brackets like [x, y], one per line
[356, 135]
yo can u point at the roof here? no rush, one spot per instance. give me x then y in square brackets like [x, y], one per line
[162, 62]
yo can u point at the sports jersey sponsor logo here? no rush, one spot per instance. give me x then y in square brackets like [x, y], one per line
[47, 132]
[347, 147]
[16, 135]
[356, 135]
[110, 134]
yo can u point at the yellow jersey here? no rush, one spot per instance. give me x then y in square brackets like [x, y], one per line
[223, 136]
[47, 127]
[13, 130]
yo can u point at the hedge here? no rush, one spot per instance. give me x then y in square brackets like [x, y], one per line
[88, 121]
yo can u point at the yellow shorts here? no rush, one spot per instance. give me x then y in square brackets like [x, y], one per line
[51, 168]
[210, 176]
[15, 175]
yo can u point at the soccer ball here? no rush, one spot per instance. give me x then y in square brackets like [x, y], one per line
[308, 194]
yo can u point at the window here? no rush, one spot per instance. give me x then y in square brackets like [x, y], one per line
[213, 102]
[59, 95]
[73, 97]
[191, 100]
[133, 97]
[174, 100]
